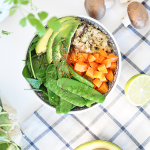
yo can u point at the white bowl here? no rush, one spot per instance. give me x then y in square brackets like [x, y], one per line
[112, 85]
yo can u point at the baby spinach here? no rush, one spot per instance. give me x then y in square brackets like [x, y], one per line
[34, 82]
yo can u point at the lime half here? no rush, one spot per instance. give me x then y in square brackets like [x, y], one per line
[137, 89]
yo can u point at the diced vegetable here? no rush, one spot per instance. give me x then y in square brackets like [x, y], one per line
[103, 53]
[110, 75]
[101, 59]
[94, 65]
[113, 66]
[113, 57]
[90, 72]
[107, 63]
[97, 82]
[98, 74]
[103, 88]
[80, 66]
[91, 58]
[102, 68]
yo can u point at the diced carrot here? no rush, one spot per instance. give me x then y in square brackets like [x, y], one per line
[103, 53]
[101, 59]
[94, 65]
[79, 57]
[97, 82]
[110, 75]
[102, 68]
[73, 58]
[96, 56]
[94, 87]
[90, 72]
[80, 66]
[91, 58]
[80, 73]
[103, 88]
[107, 63]
[113, 66]
[103, 79]
[98, 74]
[113, 57]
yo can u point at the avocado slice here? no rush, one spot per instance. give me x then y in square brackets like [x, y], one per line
[98, 145]
[57, 40]
[41, 45]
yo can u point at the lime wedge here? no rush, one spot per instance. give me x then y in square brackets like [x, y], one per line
[137, 89]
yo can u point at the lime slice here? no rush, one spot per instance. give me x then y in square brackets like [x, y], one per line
[137, 89]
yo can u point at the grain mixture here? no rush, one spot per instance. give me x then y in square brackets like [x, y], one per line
[88, 39]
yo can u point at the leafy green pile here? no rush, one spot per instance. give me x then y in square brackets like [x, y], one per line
[50, 73]
[5, 126]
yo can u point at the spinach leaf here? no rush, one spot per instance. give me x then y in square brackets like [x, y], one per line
[39, 65]
[34, 82]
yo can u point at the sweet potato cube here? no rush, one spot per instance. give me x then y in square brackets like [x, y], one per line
[113, 57]
[103, 53]
[102, 68]
[113, 66]
[90, 72]
[94, 65]
[80, 66]
[97, 82]
[110, 75]
[98, 74]
[107, 63]
[91, 58]
[103, 88]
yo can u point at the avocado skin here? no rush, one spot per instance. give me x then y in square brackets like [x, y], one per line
[41, 45]
[59, 41]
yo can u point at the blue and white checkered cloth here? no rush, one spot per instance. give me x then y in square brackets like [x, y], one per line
[116, 120]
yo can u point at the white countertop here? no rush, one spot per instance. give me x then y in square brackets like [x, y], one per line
[14, 46]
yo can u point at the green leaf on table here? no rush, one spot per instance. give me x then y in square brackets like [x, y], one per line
[37, 24]
[6, 32]
[42, 15]
[23, 22]
[54, 23]
[11, 1]
[24, 2]
[12, 10]
[5, 1]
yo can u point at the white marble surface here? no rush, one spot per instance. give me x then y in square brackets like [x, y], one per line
[14, 46]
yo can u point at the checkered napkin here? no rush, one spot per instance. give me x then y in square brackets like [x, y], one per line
[116, 120]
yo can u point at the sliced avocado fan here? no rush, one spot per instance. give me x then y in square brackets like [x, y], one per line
[41, 45]
[61, 38]
[98, 145]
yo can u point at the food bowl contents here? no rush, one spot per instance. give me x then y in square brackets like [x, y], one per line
[95, 8]
[137, 15]
[9, 127]
[91, 57]
[75, 69]
[98, 145]
[137, 89]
